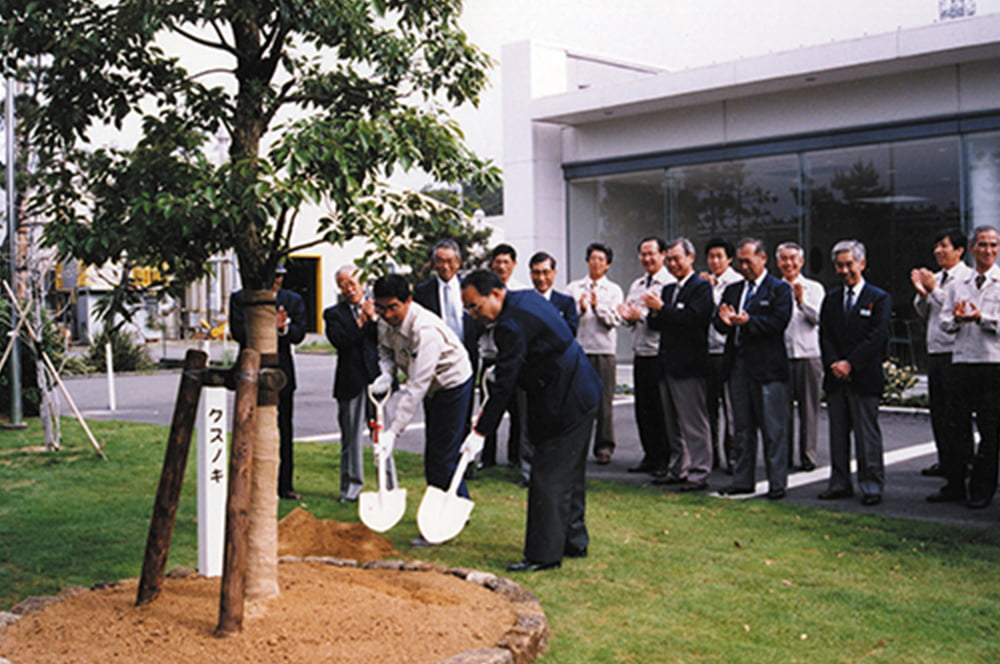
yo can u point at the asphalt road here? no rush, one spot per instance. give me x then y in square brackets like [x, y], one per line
[907, 436]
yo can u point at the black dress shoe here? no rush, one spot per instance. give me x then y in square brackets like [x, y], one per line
[575, 553]
[807, 466]
[641, 468]
[667, 479]
[775, 494]
[290, 495]
[835, 494]
[732, 490]
[946, 496]
[689, 486]
[530, 566]
[977, 503]
[870, 499]
[659, 472]
[934, 470]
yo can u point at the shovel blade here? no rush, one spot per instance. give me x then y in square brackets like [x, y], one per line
[381, 510]
[442, 515]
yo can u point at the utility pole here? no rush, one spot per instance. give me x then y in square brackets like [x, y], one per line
[16, 411]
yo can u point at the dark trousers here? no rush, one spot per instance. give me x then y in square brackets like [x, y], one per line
[980, 394]
[286, 469]
[759, 407]
[952, 432]
[445, 414]
[649, 418]
[556, 494]
[516, 431]
[716, 394]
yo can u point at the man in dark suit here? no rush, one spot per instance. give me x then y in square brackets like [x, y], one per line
[291, 322]
[853, 334]
[351, 326]
[681, 314]
[753, 314]
[442, 295]
[542, 268]
[537, 353]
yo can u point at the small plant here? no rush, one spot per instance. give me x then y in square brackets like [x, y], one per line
[126, 354]
[899, 379]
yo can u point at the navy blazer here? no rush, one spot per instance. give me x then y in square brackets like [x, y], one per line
[426, 295]
[357, 350]
[537, 352]
[762, 338]
[566, 306]
[860, 336]
[295, 308]
[683, 328]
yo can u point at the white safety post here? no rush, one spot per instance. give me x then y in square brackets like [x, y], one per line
[213, 467]
[110, 364]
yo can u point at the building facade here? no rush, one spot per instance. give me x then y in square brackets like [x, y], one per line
[887, 139]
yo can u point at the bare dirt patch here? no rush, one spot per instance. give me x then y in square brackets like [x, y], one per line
[324, 613]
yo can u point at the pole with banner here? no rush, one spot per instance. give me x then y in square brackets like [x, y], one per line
[212, 480]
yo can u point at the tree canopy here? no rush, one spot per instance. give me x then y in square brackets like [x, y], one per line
[319, 102]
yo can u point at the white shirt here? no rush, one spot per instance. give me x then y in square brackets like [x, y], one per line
[929, 308]
[716, 339]
[646, 342]
[596, 330]
[428, 352]
[451, 291]
[974, 343]
[802, 333]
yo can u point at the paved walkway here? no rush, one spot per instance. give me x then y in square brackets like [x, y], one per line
[908, 441]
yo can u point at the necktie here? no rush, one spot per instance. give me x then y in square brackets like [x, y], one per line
[944, 277]
[649, 280]
[849, 300]
[450, 313]
[751, 289]
[980, 280]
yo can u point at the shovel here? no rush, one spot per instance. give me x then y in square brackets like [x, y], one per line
[380, 510]
[443, 514]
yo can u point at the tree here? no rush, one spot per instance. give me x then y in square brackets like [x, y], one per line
[321, 101]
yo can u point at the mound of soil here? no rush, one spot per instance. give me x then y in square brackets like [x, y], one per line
[325, 613]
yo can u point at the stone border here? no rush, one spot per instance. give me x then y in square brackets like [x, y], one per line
[527, 638]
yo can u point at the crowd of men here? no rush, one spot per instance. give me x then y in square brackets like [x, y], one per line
[723, 362]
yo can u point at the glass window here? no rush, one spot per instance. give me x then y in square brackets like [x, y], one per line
[984, 180]
[733, 200]
[892, 197]
[617, 210]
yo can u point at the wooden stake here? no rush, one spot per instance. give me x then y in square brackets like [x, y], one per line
[161, 526]
[238, 503]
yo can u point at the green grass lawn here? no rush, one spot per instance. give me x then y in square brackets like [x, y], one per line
[670, 578]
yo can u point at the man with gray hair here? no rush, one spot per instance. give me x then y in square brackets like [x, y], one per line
[351, 326]
[854, 333]
[754, 314]
[805, 363]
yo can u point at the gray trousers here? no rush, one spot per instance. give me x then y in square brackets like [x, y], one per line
[604, 433]
[858, 413]
[758, 407]
[688, 431]
[352, 418]
[804, 386]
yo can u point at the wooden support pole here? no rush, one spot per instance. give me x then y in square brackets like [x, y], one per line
[238, 503]
[161, 526]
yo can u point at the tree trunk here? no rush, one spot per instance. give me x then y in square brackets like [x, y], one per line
[262, 535]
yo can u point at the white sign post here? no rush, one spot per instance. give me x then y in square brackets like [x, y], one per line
[213, 466]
